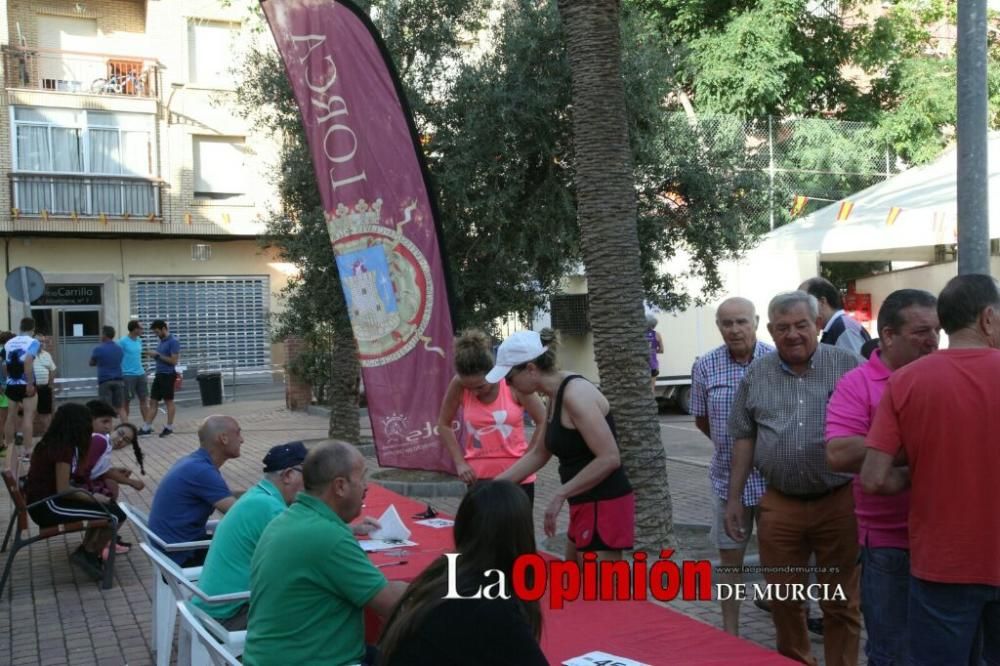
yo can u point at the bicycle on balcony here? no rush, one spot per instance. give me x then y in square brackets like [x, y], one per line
[126, 83]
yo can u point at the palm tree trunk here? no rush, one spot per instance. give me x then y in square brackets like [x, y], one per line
[345, 372]
[606, 209]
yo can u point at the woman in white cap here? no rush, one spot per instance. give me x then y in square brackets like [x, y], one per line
[492, 413]
[580, 432]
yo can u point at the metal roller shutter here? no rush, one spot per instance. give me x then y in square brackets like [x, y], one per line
[221, 322]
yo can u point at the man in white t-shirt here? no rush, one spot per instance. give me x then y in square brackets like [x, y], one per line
[19, 386]
[45, 374]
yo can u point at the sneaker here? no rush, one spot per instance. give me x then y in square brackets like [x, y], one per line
[90, 564]
[145, 430]
[166, 432]
[122, 542]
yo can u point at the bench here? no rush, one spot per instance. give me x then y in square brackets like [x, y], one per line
[22, 539]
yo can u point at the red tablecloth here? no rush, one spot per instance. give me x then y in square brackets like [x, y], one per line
[646, 632]
[639, 630]
[431, 542]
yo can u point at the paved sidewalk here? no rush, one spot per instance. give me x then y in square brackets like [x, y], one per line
[52, 615]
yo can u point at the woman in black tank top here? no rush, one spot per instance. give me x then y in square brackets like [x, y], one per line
[579, 431]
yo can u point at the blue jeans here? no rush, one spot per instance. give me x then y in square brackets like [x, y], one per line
[947, 619]
[885, 584]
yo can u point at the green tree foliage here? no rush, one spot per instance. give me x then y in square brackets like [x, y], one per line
[757, 57]
[922, 124]
[699, 191]
[880, 64]
[500, 152]
[502, 155]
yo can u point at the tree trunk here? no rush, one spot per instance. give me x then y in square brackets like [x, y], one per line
[606, 209]
[345, 371]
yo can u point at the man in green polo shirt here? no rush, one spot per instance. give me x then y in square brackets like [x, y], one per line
[309, 578]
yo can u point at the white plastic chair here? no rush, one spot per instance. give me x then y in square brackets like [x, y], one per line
[164, 602]
[184, 589]
[205, 649]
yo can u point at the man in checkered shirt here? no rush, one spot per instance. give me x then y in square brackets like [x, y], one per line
[777, 423]
[714, 379]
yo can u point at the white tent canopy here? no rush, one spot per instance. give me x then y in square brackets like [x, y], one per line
[927, 197]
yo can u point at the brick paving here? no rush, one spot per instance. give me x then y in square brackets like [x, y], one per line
[51, 615]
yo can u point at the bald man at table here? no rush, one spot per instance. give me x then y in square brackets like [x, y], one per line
[310, 581]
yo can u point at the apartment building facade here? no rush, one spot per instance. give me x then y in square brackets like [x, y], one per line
[128, 180]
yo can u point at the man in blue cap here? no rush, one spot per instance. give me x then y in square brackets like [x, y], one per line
[227, 566]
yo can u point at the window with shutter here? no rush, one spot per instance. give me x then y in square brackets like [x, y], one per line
[210, 46]
[61, 71]
[219, 167]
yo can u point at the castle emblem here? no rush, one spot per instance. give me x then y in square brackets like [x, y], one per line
[387, 281]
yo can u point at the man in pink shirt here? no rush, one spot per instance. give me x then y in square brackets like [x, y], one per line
[908, 329]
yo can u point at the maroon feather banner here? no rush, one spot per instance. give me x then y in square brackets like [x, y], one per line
[381, 217]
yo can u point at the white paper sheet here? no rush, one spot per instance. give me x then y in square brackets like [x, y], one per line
[437, 523]
[603, 658]
[392, 527]
[375, 545]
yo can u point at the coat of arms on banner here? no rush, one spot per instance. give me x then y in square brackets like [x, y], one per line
[386, 280]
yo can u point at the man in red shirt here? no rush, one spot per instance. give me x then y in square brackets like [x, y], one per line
[939, 415]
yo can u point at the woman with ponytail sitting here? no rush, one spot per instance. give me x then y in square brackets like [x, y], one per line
[66, 442]
[493, 528]
[580, 432]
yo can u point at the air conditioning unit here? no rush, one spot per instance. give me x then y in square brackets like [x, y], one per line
[571, 314]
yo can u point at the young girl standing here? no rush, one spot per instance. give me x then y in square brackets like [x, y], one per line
[492, 415]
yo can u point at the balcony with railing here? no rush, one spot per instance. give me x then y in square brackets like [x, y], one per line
[80, 72]
[86, 199]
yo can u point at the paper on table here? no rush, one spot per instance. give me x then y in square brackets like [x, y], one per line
[375, 545]
[392, 527]
[437, 523]
[604, 658]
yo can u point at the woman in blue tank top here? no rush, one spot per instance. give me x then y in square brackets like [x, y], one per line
[580, 432]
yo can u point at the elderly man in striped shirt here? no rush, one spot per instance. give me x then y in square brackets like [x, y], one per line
[714, 380]
[777, 423]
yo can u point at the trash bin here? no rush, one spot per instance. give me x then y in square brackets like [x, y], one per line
[210, 387]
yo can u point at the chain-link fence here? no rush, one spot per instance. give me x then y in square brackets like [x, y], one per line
[819, 159]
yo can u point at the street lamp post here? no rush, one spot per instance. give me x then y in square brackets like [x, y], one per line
[973, 174]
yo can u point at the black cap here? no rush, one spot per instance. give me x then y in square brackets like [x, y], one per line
[284, 456]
